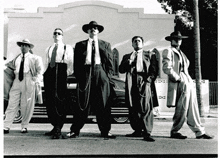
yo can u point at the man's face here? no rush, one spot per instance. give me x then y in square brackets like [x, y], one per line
[176, 42]
[137, 44]
[93, 31]
[57, 35]
[25, 48]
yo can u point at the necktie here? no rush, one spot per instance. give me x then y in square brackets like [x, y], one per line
[93, 54]
[134, 59]
[53, 57]
[21, 70]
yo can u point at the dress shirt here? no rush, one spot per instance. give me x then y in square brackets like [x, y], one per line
[139, 64]
[68, 57]
[89, 52]
[26, 63]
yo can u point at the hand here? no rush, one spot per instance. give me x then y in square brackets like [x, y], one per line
[179, 80]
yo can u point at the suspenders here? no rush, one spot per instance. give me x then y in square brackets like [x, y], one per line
[62, 61]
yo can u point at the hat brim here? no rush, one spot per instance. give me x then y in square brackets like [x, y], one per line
[20, 43]
[169, 38]
[87, 26]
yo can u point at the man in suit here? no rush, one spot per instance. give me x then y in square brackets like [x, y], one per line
[93, 70]
[141, 68]
[181, 91]
[59, 63]
[28, 70]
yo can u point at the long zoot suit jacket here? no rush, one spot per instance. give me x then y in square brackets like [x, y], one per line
[83, 75]
[150, 64]
[172, 62]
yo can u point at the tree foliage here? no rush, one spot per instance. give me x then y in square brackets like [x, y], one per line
[208, 15]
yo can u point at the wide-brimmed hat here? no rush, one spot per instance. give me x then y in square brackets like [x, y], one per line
[92, 24]
[175, 35]
[25, 41]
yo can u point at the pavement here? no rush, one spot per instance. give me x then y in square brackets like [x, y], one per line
[90, 144]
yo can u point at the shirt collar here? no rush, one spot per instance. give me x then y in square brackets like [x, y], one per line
[139, 51]
[90, 40]
[59, 43]
[26, 54]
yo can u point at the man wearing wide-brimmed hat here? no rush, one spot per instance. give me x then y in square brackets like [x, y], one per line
[28, 70]
[93, 70]
[181, 91]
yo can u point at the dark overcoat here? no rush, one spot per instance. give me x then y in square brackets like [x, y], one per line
[83, 72]
[150, 65]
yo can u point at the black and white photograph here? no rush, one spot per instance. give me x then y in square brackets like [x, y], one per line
[110, 78]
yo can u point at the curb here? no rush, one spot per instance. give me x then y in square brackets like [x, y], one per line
[168, 116]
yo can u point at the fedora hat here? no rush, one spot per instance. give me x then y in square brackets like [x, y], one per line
[175, 35]
[25, 41]
[92, 24]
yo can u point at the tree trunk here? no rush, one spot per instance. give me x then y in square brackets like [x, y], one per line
[196, 35]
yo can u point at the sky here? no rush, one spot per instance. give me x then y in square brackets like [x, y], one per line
[150, 6]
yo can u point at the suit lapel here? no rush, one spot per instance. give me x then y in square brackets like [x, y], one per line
[146, 58]
[102, 52]
[85, 43]
[178, 53]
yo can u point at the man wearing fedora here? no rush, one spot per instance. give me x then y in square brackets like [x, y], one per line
[28, 70]
[59, 64]
[93, 70]
[181, 91]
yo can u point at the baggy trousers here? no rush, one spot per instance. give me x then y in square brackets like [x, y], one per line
[98, 102]
[55, 86]
[21, 95]
[187, 107]
[141, 113]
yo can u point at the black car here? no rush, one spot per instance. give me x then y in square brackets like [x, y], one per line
[118, 109]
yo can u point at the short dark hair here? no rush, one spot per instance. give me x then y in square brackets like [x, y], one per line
[58, 29]
[135, 37]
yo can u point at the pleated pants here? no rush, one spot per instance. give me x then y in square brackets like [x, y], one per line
[98, 102]
[187, 107]
[21, 96]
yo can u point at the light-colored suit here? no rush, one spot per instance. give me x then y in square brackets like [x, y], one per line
[181, 91]
[26, 92]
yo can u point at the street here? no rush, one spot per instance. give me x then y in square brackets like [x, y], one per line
[90, 143]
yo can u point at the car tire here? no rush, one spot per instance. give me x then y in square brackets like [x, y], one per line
[18, 117]
[120, 119]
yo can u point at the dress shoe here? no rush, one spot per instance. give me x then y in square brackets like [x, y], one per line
[149, 139]
[50, 133]
[24, 130]
[205, 136]
[134, 134]
[72, 135]
[6, 131]
[178, 136]
[56, 135]
[108, 136]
